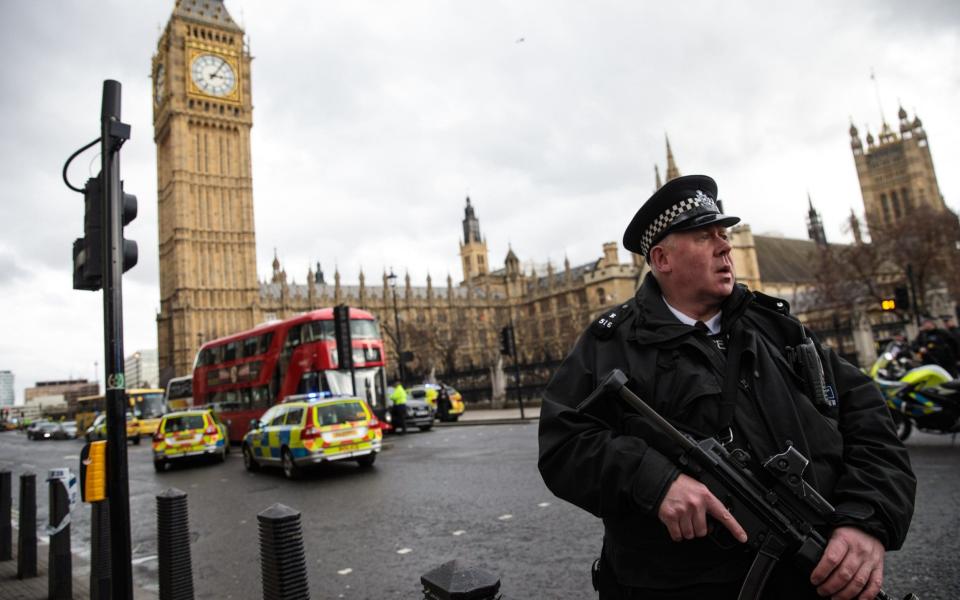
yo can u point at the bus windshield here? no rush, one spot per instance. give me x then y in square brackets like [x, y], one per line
[148, 405]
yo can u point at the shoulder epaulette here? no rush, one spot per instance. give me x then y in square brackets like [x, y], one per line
[771, 303]
[608, 322]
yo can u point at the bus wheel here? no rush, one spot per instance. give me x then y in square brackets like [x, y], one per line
[159, 466]
[248, 461]
[290, 468]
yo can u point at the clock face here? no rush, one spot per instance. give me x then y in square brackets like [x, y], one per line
[158, 83]
[213, 75]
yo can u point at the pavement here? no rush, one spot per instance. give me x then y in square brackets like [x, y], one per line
[495, 416]
[36, 588]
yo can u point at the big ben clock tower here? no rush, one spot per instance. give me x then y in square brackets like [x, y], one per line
[202, 115]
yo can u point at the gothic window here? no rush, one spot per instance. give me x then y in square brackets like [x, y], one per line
[895, 200]
[906, 199]
[886, 207]
[601, 296]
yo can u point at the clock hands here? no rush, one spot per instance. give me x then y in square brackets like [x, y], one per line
[217, 72]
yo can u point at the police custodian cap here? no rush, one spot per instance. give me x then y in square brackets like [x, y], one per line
[682, 203]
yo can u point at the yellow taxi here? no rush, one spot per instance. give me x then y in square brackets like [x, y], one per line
[98, 430]
[309, 429]
[189, 433]
[431, 391]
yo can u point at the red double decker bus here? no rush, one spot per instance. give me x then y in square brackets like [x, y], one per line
[244, 374]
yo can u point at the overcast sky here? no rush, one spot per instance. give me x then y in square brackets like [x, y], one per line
[374, 120]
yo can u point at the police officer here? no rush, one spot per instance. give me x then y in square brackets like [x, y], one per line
[398, 408]
[715, 359]
[936, 346]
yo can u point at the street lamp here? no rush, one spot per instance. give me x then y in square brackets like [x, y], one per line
[392, 278]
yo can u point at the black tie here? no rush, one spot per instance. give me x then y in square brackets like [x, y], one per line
[702, 326]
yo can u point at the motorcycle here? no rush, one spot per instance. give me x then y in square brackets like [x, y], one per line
[925, 397]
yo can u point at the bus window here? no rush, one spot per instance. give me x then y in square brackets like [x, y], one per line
[361, 329]
[264, 344]
[293, 338]
[230, 351]
[319, 331]
[250, 346]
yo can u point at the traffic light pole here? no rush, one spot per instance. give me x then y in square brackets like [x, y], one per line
[113, 134]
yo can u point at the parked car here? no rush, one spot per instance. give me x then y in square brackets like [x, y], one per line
[309, 429]
[34, 426]
[47, 431]
[419, 413]
[431, 391]
[71, 428]
[98, 431]
[189, 433]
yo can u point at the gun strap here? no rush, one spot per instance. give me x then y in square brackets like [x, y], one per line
[728, 399]
[763, 564]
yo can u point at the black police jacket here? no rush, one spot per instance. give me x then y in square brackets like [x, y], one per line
[607, 460]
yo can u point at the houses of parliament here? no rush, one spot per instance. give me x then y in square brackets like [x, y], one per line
[209, 286]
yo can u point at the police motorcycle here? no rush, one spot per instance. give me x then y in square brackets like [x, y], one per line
[921, 396]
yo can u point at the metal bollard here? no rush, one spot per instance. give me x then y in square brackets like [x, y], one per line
[100, 550]
[27, 527]
[59, 559]
[6, 513]
[283, 564]
[173, 546]
[454, 581]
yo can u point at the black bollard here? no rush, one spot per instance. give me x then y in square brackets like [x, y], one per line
[100, 550]
[454, 581]
[173, 546]
[27, 527]
[59, 561]
[283, 565]
[6, 513]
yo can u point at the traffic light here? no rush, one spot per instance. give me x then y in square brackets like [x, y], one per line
[128, 210]
[507, 343]
[888, 304]
[87, 251]
[901, 296]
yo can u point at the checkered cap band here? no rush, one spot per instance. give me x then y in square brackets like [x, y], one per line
[669, 216]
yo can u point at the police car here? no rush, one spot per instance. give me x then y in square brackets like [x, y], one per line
[309, 429]
[430, 392]
[189, 433]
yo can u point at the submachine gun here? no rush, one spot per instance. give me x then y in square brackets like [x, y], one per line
[778, 509]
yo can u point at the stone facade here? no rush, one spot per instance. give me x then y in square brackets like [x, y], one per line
[202, 120]
[896, 172]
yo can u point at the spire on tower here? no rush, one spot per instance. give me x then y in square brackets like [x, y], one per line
[656, 176]
[672, 171]
[815, 225]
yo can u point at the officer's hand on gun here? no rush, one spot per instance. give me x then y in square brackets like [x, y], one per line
[852, 563]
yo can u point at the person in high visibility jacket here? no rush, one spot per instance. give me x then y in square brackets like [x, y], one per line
[398, 408]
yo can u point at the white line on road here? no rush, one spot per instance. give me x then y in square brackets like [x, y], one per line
[143, 559]
[459, 532]
[544, 504]
[346, 571]
[505, 517]
[72, 457]
[404, 551]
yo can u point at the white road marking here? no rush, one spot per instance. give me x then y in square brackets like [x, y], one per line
[72, 457]
[404, 551]
[505, 517]
[346, 571]
[459, 532]
[544, 504]
[143, 559]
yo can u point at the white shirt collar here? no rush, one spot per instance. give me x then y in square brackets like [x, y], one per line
[713, 323]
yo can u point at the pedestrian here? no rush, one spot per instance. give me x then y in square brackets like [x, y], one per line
[688, 331]
[398, 407]
[443, 402]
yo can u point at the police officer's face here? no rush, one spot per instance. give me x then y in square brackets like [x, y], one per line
[698, 264]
